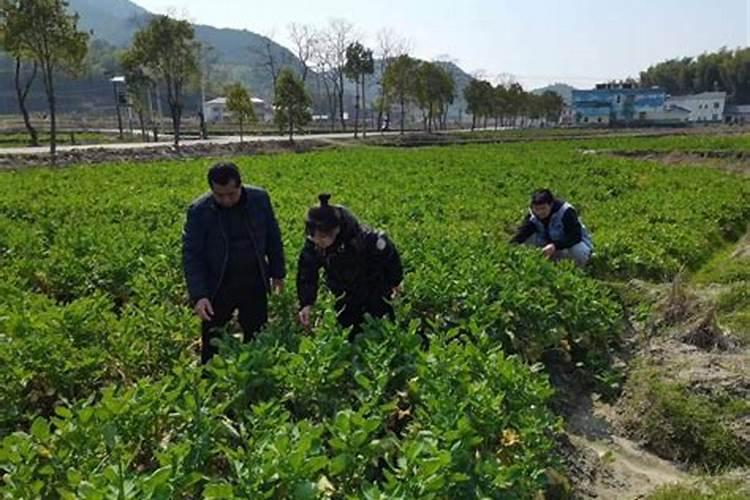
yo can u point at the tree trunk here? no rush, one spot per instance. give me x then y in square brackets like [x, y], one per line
[341, 101]
[364, 110]
[497, 122]
[356, 109]
[331, 104]
[381, 108]
[49, 87]
[175, 108]
[403, 113]
[242, 139]
[291, 126]
[202, 125]
[142, 123]
[429, 120]
[176, 125]
[22, 91]
[473, 122]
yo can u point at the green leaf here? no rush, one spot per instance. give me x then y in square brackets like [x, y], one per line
[63, 412]
[338, 464]
[40, 429]
[306, 490]
[74, 477]
[218, 490]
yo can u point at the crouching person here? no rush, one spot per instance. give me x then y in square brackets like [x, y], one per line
[362, 266]
[554, 226]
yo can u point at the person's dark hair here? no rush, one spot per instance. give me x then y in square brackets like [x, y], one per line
[542, 197]
[324, 218]
[222, 173]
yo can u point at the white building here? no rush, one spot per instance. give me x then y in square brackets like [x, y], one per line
[739, 115]
[215, 110]
[671, 114]
[707, 107]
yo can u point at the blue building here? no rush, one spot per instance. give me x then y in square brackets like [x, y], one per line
[623, 104]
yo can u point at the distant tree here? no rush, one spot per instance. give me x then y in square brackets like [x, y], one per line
[390, 46]
[359, 64]
[327, 78]
[480, 98]
[292, 103]
[26, 70]
[473, 100]
[268, 57]
[166, 50]
[434, 91]
[499, 107]
[724, 70]
[240, 104]
[400, 83]
[333, 44]
[139, 87]
[552, 105]
[516, 102]
[45, 33]
[305, 39]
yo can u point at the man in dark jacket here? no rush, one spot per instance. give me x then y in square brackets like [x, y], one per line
[554, 226]
[232, 255]
[362, 266]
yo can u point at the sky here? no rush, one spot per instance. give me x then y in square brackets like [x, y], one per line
[538, 42]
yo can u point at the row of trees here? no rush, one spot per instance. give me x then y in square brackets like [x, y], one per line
[42, 35]
[166, 53]
[404, 81]
[504, 103]
[726, 70]
[336, 54]
[44, 38]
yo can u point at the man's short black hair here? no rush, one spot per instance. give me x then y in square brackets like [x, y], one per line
[542, 197]
[222, 173]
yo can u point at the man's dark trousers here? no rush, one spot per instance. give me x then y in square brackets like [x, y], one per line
[249, 300]
[352, 313]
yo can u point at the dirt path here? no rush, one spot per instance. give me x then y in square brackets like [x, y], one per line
[606, 465]
[624, 470]
[606, 449]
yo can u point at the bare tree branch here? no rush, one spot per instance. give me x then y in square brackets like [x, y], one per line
[304, 38]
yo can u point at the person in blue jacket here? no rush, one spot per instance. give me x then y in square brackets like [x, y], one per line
[554, 226]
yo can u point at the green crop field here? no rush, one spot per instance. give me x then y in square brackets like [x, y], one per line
[101, 395]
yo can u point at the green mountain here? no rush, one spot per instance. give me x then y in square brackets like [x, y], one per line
[234, 54]
[112, 20]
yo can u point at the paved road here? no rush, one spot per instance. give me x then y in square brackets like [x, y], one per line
[145, 145]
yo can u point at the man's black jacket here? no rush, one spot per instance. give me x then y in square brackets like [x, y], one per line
[205, 243]
[360, 265]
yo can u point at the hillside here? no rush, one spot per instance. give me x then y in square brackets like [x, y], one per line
[234, 55]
